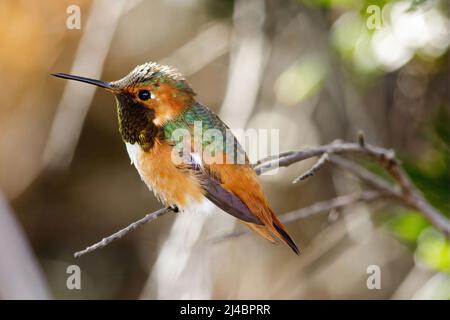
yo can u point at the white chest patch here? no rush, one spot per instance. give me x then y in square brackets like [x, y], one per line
[132, 150]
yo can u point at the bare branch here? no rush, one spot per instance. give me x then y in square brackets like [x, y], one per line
[119, 234]
[316, 167]
[287, 158]
[404, 190]
[364, 174]
[408, 194]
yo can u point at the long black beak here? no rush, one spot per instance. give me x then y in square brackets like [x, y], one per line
[98, 83]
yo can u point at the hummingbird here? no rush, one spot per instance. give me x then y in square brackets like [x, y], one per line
[153, 102]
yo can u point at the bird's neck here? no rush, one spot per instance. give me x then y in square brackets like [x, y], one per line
[183, 120]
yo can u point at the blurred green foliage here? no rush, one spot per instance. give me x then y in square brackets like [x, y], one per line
[408, 225]
[332, 3]
[220, 8]
[433, 248]
[431, 174]
[301, 80]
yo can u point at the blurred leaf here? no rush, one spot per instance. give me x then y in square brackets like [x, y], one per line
[352, 40]
[346, 32]
[343, 4]
[408, 225]
[431, 172]
[220, 8]
[434, 249]
[301, 80]
[442, 127]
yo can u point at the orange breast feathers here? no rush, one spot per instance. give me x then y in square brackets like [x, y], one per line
[170, 184]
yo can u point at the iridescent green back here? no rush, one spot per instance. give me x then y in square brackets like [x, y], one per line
[198, 114]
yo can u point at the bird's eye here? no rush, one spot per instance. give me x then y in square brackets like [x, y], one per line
[144, 95]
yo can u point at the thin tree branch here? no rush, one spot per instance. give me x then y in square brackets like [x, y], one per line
[382, 156]
[119, 234]
[316, 167]
[365, 175]
[409, 195]
[404, 190]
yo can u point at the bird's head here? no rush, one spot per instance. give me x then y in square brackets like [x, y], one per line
[147, 98]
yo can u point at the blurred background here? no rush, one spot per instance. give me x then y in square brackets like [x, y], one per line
[317, 70]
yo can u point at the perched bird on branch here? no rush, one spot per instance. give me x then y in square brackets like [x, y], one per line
[158, 113]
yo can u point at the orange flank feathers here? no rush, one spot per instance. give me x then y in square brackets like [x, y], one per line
[241, 180]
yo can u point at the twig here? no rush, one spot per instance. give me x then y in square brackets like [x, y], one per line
[405, 191]
[364, 174]
[105, 241]
[336, 203]
[318, 207]
[287, 158]
[316, 167]
[386, 158]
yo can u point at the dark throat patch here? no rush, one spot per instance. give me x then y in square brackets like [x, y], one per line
[136, 122]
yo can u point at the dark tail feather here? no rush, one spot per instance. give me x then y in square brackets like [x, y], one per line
[287, 238]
